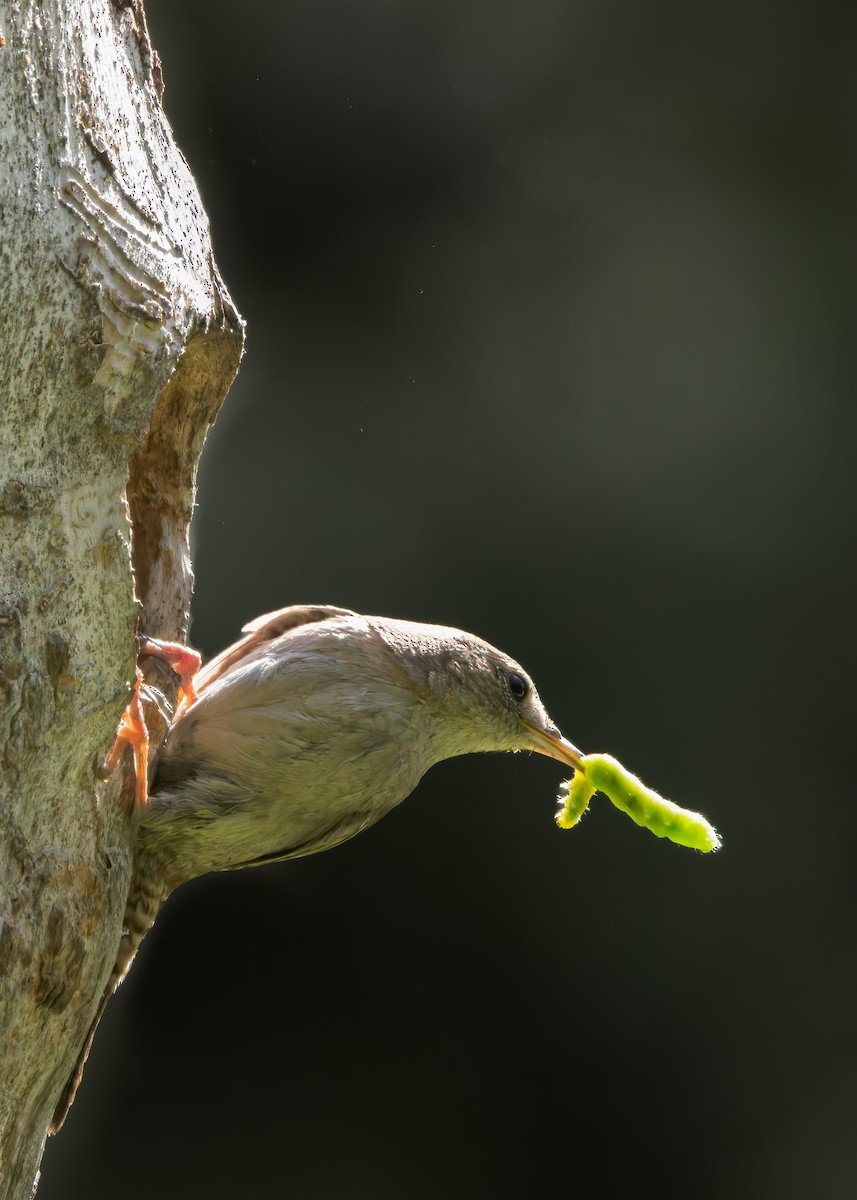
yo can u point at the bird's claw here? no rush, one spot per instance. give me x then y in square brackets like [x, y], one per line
[132, 732]
[181, 659]
[132, 729]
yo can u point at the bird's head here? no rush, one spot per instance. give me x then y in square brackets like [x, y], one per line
[478, 698]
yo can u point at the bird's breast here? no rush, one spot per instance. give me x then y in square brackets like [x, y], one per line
[258, 772]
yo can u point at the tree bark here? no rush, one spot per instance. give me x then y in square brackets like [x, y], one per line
[118, 343]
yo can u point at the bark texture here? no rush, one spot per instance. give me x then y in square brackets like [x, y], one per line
[118, 343]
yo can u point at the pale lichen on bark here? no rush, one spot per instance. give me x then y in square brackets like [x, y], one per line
[118, 343]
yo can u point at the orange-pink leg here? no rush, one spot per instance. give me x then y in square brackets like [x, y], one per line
[132, 732]
[181, 659]
[132, 729]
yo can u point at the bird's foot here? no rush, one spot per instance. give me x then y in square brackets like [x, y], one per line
[181, 659]
[132, 732]
[132, 729]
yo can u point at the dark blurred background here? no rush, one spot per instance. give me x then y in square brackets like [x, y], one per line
[550, 336]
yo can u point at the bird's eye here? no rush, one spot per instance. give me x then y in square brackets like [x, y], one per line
[518, 686]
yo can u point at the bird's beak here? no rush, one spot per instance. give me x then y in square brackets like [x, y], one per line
[550, 741]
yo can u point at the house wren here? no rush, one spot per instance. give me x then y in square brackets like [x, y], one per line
[308, 731]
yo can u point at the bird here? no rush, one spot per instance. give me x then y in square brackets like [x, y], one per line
[301, 735]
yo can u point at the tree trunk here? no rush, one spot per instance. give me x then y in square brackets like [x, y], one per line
[118, 343]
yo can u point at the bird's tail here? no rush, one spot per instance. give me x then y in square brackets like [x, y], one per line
[145, 898]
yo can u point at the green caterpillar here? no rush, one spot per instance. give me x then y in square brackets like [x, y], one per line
[574, 796]
[601, 773]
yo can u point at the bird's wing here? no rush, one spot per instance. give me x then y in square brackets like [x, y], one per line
[262, 630]
[272, 624]
[324, 838]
